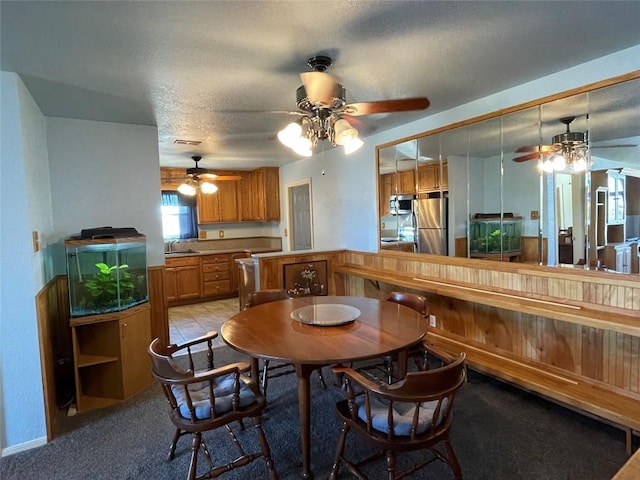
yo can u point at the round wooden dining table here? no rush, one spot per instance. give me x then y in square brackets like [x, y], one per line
[309, 332]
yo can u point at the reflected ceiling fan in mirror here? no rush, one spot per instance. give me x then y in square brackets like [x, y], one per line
[198, 178]
[568, 152]
[326, 115]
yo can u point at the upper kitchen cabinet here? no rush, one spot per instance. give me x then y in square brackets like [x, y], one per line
[260, 195]
[221, 206]
[431, 178]
[264, 196]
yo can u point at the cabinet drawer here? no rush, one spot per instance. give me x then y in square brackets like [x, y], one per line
[212, 288]
[214, 276]
[215, 267]
[208, 259]
[182, 261]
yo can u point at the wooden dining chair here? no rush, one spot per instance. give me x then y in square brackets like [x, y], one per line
[206, 399]
[415, 413]
[268, 369]
[420, 356]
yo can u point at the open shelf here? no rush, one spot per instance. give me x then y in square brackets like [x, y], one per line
[85, 360]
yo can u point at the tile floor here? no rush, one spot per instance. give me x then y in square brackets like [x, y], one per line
[191, 321]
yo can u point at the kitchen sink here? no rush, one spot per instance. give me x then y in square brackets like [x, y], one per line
[181, 251]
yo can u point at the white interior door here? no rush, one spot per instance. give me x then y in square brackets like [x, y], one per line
[300, 215]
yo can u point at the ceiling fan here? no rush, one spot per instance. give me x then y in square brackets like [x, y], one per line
[325, 114]
[197, 178]
[568, 150]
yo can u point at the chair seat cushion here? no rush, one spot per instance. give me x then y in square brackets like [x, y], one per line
[223, 392]
[402, 415]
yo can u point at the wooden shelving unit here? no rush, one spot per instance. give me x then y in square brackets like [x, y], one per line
[110, 356]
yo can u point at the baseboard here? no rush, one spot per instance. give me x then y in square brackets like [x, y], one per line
[22, 447]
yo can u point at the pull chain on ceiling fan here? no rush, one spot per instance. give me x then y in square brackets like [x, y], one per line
[325, 114]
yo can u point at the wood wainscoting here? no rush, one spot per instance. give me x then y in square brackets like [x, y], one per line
[272, 267]
[569, 334]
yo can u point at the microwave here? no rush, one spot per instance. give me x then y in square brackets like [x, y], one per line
[401, 204]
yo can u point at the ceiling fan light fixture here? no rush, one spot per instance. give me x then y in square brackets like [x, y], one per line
[206, 187]
[290, 134]
[303, 146]
[344, 132]
[352, 145]
[187, 188]
[559, 162]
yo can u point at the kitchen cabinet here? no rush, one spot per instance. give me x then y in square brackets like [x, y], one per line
[406, 182]
[221, 206]
[182, 278]
[110, 356]
[617, 257]
[216, 274]
[386, 190]
[260, 195]
[430, 178]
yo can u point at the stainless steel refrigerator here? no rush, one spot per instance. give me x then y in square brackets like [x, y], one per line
[431, 225]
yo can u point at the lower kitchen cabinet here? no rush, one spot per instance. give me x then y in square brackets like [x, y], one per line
[216, 275]
[182, 278]
[617, 257]
[111, 363]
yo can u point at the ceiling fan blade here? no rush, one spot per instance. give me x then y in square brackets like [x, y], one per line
[253, 112]
[530, 156]
[627, 145]
[321, 88]
[216, 178]
[386, 106]
[535, 148]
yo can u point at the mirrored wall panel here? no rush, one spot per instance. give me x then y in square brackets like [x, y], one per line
[555, 182]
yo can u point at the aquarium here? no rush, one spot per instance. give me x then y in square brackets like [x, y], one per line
[106, 274]
[495, 236]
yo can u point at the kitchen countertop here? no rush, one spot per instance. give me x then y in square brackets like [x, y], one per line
[200, 253]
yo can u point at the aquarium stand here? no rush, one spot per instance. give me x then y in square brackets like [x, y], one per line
[110, 356]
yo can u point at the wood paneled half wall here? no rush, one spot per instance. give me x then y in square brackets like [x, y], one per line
[572, 335]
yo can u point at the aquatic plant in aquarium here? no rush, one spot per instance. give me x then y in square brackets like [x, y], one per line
[495, 236]
[106, 275]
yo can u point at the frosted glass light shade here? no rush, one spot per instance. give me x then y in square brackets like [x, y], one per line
[206, 187]
[290, 134]
[344, 132]
[187, 189]
[352, 145]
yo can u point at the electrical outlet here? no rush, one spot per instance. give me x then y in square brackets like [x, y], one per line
[286, 232]
[220, 233]
[535, 215]
[36, 241]
[432, 320]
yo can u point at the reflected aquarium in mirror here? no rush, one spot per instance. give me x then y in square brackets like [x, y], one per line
[554, 182]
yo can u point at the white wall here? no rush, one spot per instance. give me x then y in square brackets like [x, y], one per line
[104, 174]
[25, 206]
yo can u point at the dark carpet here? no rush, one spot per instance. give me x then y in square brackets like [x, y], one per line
[499, 432]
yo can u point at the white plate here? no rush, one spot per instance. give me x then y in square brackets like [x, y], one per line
[326, 314]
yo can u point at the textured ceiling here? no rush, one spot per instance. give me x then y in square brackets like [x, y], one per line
[191, 68]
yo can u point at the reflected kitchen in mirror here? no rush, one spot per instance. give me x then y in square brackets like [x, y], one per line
[495, 192]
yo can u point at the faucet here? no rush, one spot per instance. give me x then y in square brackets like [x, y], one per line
[171, 244]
